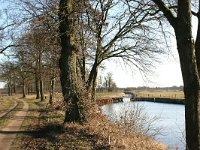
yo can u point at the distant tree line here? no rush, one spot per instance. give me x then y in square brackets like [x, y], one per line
[106, 84]
[154, 88]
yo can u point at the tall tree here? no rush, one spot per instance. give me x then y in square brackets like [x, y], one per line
[120, 34]
[72, 86]
[181, 23]
[197, 43]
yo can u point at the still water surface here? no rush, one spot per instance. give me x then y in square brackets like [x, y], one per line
[171, 119]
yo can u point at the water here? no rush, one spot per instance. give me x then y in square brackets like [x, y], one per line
[171, 119]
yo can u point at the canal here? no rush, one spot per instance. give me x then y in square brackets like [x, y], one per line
[169, 118]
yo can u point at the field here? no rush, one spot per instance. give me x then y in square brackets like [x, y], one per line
[101, 95]
[174, 94]
[151, 93]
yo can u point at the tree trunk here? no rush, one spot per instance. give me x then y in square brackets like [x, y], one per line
[28, 90]
[37, 89]
[23, 89]
[41, 90]
[197, 43]
[51, 91]
[14, 88]
[71, 83]
[189, 67]
[186, 50]
[9, 90]
[191, 91]
[91, 83]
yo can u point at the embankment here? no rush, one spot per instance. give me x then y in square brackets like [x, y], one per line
[160, 100]
[133, 97]
[105, 101]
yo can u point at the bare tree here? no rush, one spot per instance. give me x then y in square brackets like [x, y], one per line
[120, 34]
[179, 18]
[9, 73]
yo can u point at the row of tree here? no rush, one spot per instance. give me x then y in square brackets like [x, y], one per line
[81, 35]
[106, 84]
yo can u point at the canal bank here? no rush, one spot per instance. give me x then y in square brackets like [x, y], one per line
[168, 100]
[160, 100]
[133, 97]
[133, 137]
[104, 101]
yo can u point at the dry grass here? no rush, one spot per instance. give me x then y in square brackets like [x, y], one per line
[43, 129]
[7, 102]
[116, 137]
[175, 94]
[101, 95]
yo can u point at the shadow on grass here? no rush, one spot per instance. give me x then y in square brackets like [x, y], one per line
[56, 136]
[18, 132]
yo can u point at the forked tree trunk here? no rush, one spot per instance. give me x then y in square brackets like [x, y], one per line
[72, 85]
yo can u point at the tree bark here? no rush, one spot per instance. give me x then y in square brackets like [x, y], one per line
[71, 83]
[197, 43]
[51, 91]
[41, 90]
[14, 88]
[37, 89]
[191, 90]
[189, 67]
[186, 50]
[23, 89]
[91, 83]
[9, 90]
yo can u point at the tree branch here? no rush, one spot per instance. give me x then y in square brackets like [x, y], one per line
[5, 48]
[166, 11]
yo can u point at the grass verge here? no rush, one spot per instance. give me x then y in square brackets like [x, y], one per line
[5, 103]
[9, 102]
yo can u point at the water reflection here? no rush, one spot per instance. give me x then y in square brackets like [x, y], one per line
[171, 119]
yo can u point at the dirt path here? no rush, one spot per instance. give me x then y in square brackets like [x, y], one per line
[8, 134]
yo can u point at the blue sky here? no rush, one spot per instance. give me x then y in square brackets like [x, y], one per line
[166, 74]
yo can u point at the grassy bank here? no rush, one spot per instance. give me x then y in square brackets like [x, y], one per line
[43, 129]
